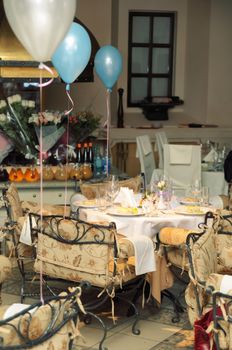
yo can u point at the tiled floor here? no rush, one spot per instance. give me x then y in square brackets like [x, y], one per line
[157, 330]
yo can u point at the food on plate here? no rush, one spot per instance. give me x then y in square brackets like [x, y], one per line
[191, 200]
[194, 210]
[126, 210]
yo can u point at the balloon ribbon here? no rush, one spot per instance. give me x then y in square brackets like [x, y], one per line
[48, 69]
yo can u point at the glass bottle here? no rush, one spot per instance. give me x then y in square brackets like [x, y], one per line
[91, 155]
[79, 154]
[106, 163]
[97, 163]
[85, 153]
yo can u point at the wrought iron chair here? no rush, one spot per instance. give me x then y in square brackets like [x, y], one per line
[177, 244]
[17, 215]
[221, 301]
[91, 190]
[74, 250]
[52, 323]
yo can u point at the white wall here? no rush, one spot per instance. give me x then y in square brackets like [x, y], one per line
[220, 60]
[203, 59]
[96, 15]
[197, 60]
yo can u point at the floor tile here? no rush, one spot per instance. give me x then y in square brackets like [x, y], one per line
[124, 341]
[154, 330]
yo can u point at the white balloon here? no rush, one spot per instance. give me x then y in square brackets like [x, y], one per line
[40, 25]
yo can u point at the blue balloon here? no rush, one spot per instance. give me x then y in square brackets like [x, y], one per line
[73, 53]
[108, 65]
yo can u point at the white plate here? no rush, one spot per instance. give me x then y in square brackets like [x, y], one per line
[123, 212]
[189, 202]
[192, 211]
[91, 204]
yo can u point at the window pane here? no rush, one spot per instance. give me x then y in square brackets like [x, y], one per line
[139, 60]
[138, 89]
[159, 87]
[140, 29]
[160, 60]
[161, 30]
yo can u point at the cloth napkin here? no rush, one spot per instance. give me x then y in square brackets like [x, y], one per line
[25, 236]
[144, 254]
[146, 145]
[179, 154]
[210, 157]
[226, 284]
[14, 309]
[126, 198]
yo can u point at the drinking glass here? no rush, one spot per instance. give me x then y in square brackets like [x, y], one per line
[112, 187]
[205, 195]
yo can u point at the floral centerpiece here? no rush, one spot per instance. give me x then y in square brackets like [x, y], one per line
[24, 126]
[162, 185]
[82, 124]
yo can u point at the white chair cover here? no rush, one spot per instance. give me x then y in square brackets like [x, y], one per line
[146, 156]
[182, 164]
[161, 140]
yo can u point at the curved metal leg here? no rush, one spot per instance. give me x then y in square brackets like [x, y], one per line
[134, 329]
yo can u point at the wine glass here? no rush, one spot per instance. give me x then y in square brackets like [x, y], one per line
[112, 188]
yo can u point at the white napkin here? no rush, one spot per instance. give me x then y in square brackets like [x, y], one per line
[226, 284]
[126, 198]
[179, 154]
[146, 145]
[144, 254]
[210, 157]
[25, 236]
[14, 309]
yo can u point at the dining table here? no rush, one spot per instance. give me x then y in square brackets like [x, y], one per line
[137, 225]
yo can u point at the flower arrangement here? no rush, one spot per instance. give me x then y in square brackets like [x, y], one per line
[14, 114]
[83, 123]
[46, 118]
[162, 185]
[21, 123]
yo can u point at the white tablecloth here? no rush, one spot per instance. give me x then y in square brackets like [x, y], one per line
[149, 226]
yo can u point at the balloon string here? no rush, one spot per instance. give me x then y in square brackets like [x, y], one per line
[70, 100]
[41, 181]
[107, 129]
[44, 66]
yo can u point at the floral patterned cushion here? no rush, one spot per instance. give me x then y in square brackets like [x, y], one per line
[38, 325]
[5, 268]
[91, 262]
[14, 202]
[48, 209]
[173, 235]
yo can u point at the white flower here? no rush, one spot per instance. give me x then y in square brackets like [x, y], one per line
[2, 104]
[31, 104]
[10, 99]
[3, 117]
[16, 98]
[24, 103]
[49, 116]
[162, 185]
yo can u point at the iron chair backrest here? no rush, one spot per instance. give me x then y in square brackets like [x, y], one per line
[38, 323]
[85, 242]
